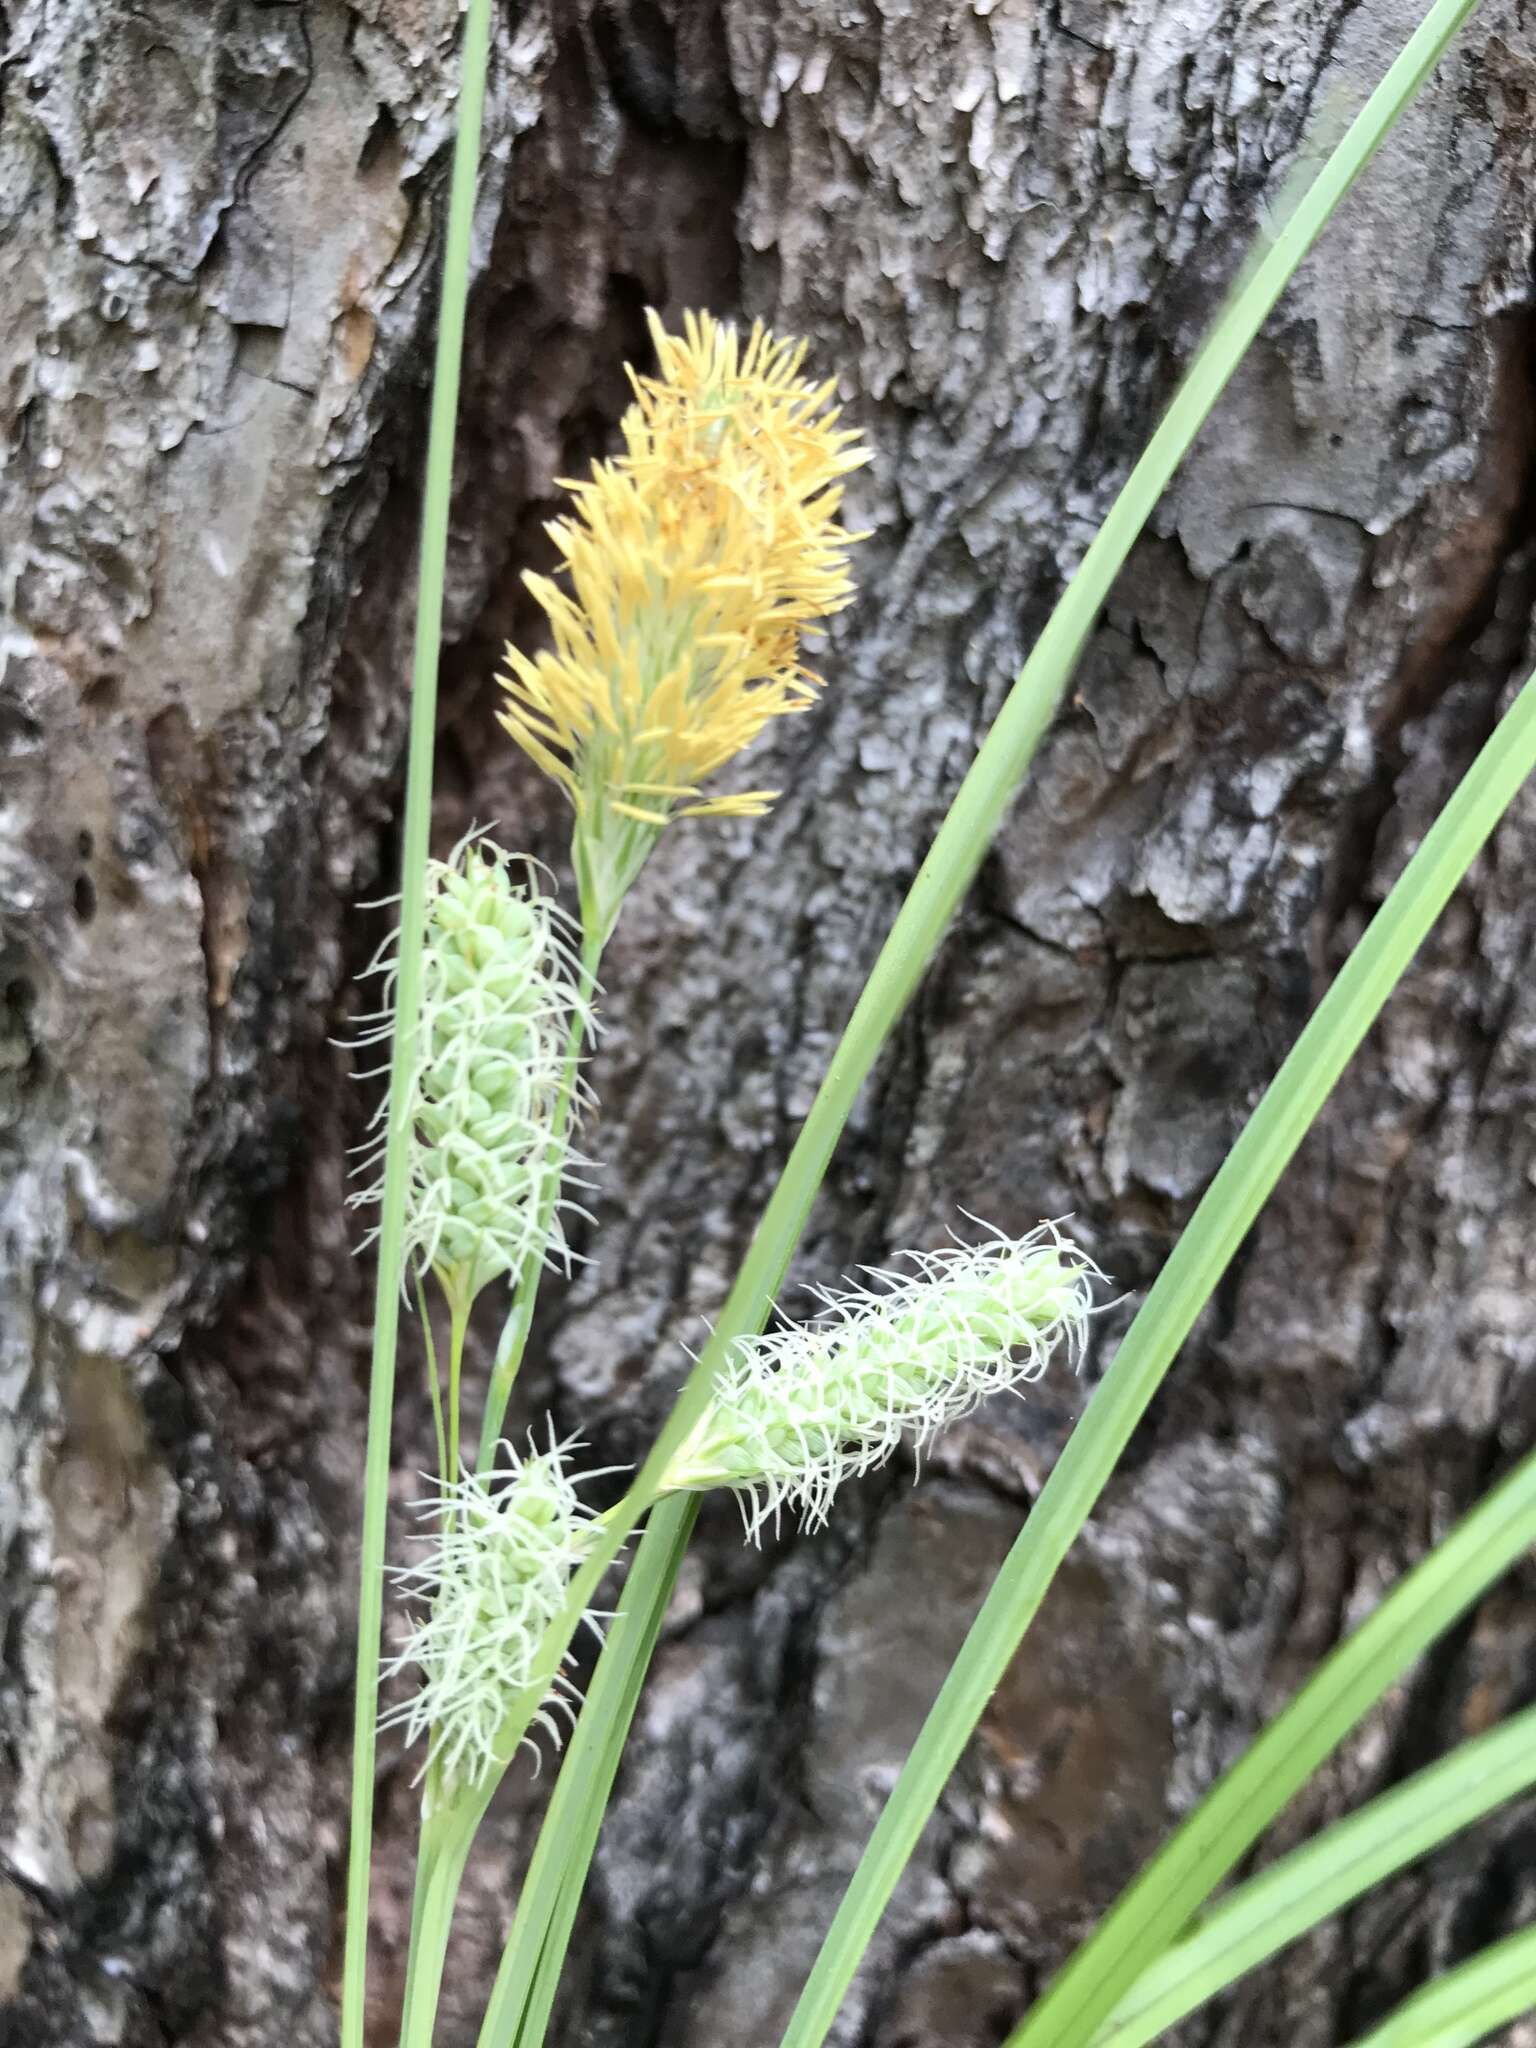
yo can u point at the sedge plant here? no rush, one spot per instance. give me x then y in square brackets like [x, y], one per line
[691, 567]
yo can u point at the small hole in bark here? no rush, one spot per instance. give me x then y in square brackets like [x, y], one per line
[101, 694]
[86, 844]
[381, 138]
[85, 898]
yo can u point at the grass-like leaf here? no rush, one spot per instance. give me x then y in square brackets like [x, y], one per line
[529, 1972]
[1496, 1985]
[414, 846]
[1315, 1881]
[1215, 1231]
[1181, 1290]
[941, 884]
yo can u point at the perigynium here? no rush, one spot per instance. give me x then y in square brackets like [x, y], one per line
[796, 1412]
[695, 561]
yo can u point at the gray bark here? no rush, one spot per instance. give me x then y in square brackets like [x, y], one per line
[1003, 227]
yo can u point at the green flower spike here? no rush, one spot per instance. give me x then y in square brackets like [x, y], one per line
[797, 1412]
[499, 994]
[499, 1567]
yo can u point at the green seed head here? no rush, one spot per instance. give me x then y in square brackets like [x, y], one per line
[498, 1568]
[795, 1413]
[500, 996]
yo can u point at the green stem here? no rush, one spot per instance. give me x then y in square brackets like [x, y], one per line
[415, 834]
[445, 1846]
[457, 1330]
[418, 1901]
[434, 1384]
[514, 1335]
[529, 1971]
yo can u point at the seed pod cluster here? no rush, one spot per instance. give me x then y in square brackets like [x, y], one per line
[498, 1568]
[500, 997]
[800, 1410]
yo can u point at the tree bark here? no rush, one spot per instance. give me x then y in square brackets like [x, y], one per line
[1002, 225]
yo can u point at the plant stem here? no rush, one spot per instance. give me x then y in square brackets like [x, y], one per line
[415, 836]
[445, 1844]
[457, 1330]
[418, 1897]
[529, 1971]
[514, 1334]
[434, 1384]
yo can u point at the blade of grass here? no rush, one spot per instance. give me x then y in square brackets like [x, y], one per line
[1315, 1881]
[1180, 1292]
[1467, 2003]
[1232, 1816]
[529, 1975]
[1215, 1232]
[973, 817]
[414, 842]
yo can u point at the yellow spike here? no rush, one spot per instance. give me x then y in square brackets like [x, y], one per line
[692, 564]
[750, 804]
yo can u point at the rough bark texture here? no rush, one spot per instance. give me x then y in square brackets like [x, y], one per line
[1002, 223]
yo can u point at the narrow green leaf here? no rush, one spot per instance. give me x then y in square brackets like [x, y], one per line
[415, 836]
[587, 1821]
[1314, 1882]
[1496, 1985]
[940, 886]
[1083, 1996]
[529, 1973]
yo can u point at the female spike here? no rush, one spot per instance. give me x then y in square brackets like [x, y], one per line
[500, 994]
[800, 1410]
